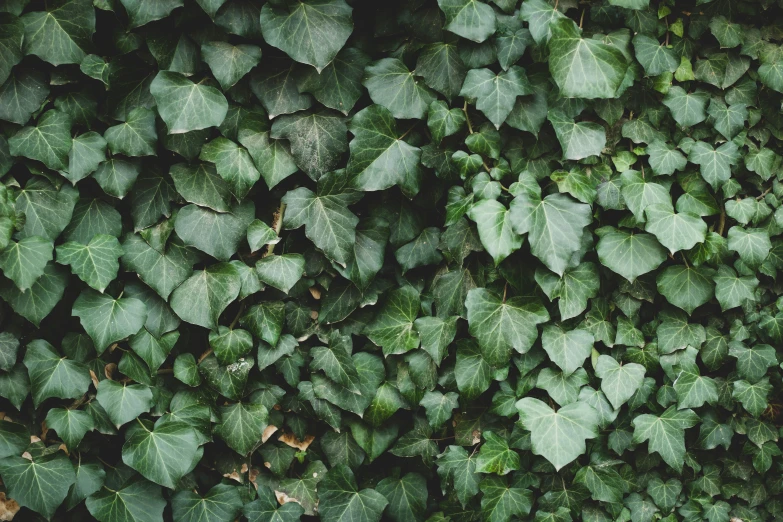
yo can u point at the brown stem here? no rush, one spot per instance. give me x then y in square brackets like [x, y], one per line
[761, 196]
[277, 225]
[722, 220]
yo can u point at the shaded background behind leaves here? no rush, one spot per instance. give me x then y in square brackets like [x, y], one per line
[423, 260]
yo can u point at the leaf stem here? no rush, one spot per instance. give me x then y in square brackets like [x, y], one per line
[467, 118]
[277, 225]
[236, 318]
[408, 131]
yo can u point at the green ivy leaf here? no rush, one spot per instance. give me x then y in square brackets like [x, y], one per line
[502, 325]
[281, 272]
[96, 263]
[686, 287]
[136, 501]
[327, 220]
[495, 94]
[205, 294]
[124, 402]
[230, 63]
[618, 381]
[107, 319]
[578, 140]
[48, 142]
[136, 136]
[186, 106]
[570, 426]
[40, 484]
[162, 455]
[392, 329]
[665, 433]
[687, 109]
[469, 19]
[567, 349]
[581, 67]
[309, 32]
[554, 226]
[62, 33]
[496, 457]
[393, 86]
[407, 497]
[24, 262]
[70, 425]
[266, 508]
[630, 254]
[52, 375]
[675, 231]
[341, 500]
[495, 229]
[379, 157]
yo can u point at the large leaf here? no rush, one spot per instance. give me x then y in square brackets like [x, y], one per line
[583, 67]
[217, 234]
[503, 325]
[205, 294]
[559, 436]
[340, 499]
[327, 220]
[675, 230]
[39, 484]
[392, 329]
[163, 454]
[25, 261]
[317, 140]
[630, 255]
[567, 349]
[495, 228]
[137, 501]
[665, 433]
[379, 157]
[241, 425]
[62, 33]
[310, 32]
[186, 106]
[107, 319]
[96, 263]
[122, 402]
[578, 140]
[495, 94]
[393, 86]
[52, 375]
[469, 19]
[554, 227]
[407, 497]
[618, 381]
[48, 142]
[686, 287]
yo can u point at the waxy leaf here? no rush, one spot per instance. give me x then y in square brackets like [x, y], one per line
[107, 319]
[558, 436]
[186, 106]
[310, 32]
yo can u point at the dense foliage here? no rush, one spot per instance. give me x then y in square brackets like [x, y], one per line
[408, 260]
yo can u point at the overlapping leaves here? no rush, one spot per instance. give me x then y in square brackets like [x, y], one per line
[435, 260]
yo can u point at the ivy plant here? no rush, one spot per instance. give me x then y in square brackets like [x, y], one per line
[410, 261]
